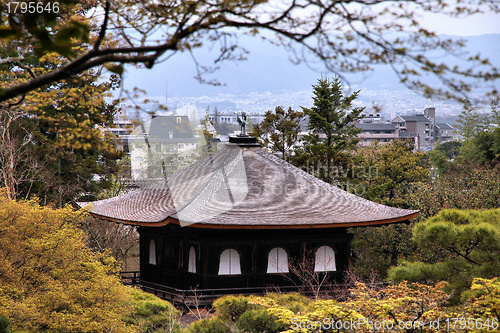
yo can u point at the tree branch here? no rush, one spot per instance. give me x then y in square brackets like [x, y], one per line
[104, 26]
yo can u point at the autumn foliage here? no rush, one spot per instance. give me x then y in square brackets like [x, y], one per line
[51, 282]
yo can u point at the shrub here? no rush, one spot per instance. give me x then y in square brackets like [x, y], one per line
[5, 325]
[293, 302]
[150, 313]
[211, 325]
[259, 320]
[232, 307]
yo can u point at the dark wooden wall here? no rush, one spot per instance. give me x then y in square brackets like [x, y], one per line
[173, 244]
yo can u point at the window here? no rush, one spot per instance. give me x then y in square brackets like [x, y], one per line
[325, 259]
[192, 260]
[277, 261]
[179, 120]
[152, 252]
[229, 262]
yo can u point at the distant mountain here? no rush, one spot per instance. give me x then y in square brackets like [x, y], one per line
[267, 69]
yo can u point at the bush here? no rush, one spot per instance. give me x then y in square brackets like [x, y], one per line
[293, 302]
[211, 325]
[150, 313]
[5, 325]
[230, 308]
[259, 320]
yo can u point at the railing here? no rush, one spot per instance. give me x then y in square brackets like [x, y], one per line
[205, 297]
[130, 277]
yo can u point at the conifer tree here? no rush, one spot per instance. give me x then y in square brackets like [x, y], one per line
[471, 240]
[332, 125]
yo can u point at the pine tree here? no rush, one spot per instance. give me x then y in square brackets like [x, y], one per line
[332, 125]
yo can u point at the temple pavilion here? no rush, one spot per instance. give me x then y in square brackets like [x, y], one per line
[236, 221]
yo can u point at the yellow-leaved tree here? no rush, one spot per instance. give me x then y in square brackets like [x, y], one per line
[49, 280]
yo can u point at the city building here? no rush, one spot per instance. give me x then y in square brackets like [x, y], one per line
[376, 132]
[122, 127]
[374, 118]
[419, 125]
[424, 128]
[444, 132]
[160, 145]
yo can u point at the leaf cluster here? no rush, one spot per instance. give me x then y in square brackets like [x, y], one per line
[333, 114]
[471, 240]
[60, 131]
[49, 280]
[49, 26]
[151, 314]
[393, 166]
[367, 307]
[279, 130]
[386, 173]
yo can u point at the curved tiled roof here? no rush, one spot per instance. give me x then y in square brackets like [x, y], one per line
[244, 187]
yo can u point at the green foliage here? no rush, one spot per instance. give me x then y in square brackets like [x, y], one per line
[392, 168]
[375, 250]
[5, 326]
[404, 307]
[54, 147]
[50, 27]
[439, 159]
[151, 314]
[464, 185]
[259, 320]
[419, 271]
[293, 302]
[495, 112]
[471, 240]
[470, 122]
[209, 325]
[450, 148]
[279, 130]
[484, 148]
[333, 131]
[230, 308]
[332, 114]
[408, 303]
[389, 171]
[442, 154]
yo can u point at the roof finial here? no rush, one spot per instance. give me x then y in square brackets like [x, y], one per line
[242, 121]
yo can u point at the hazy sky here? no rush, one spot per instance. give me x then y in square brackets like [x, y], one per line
[241, 76]
[472, 26]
